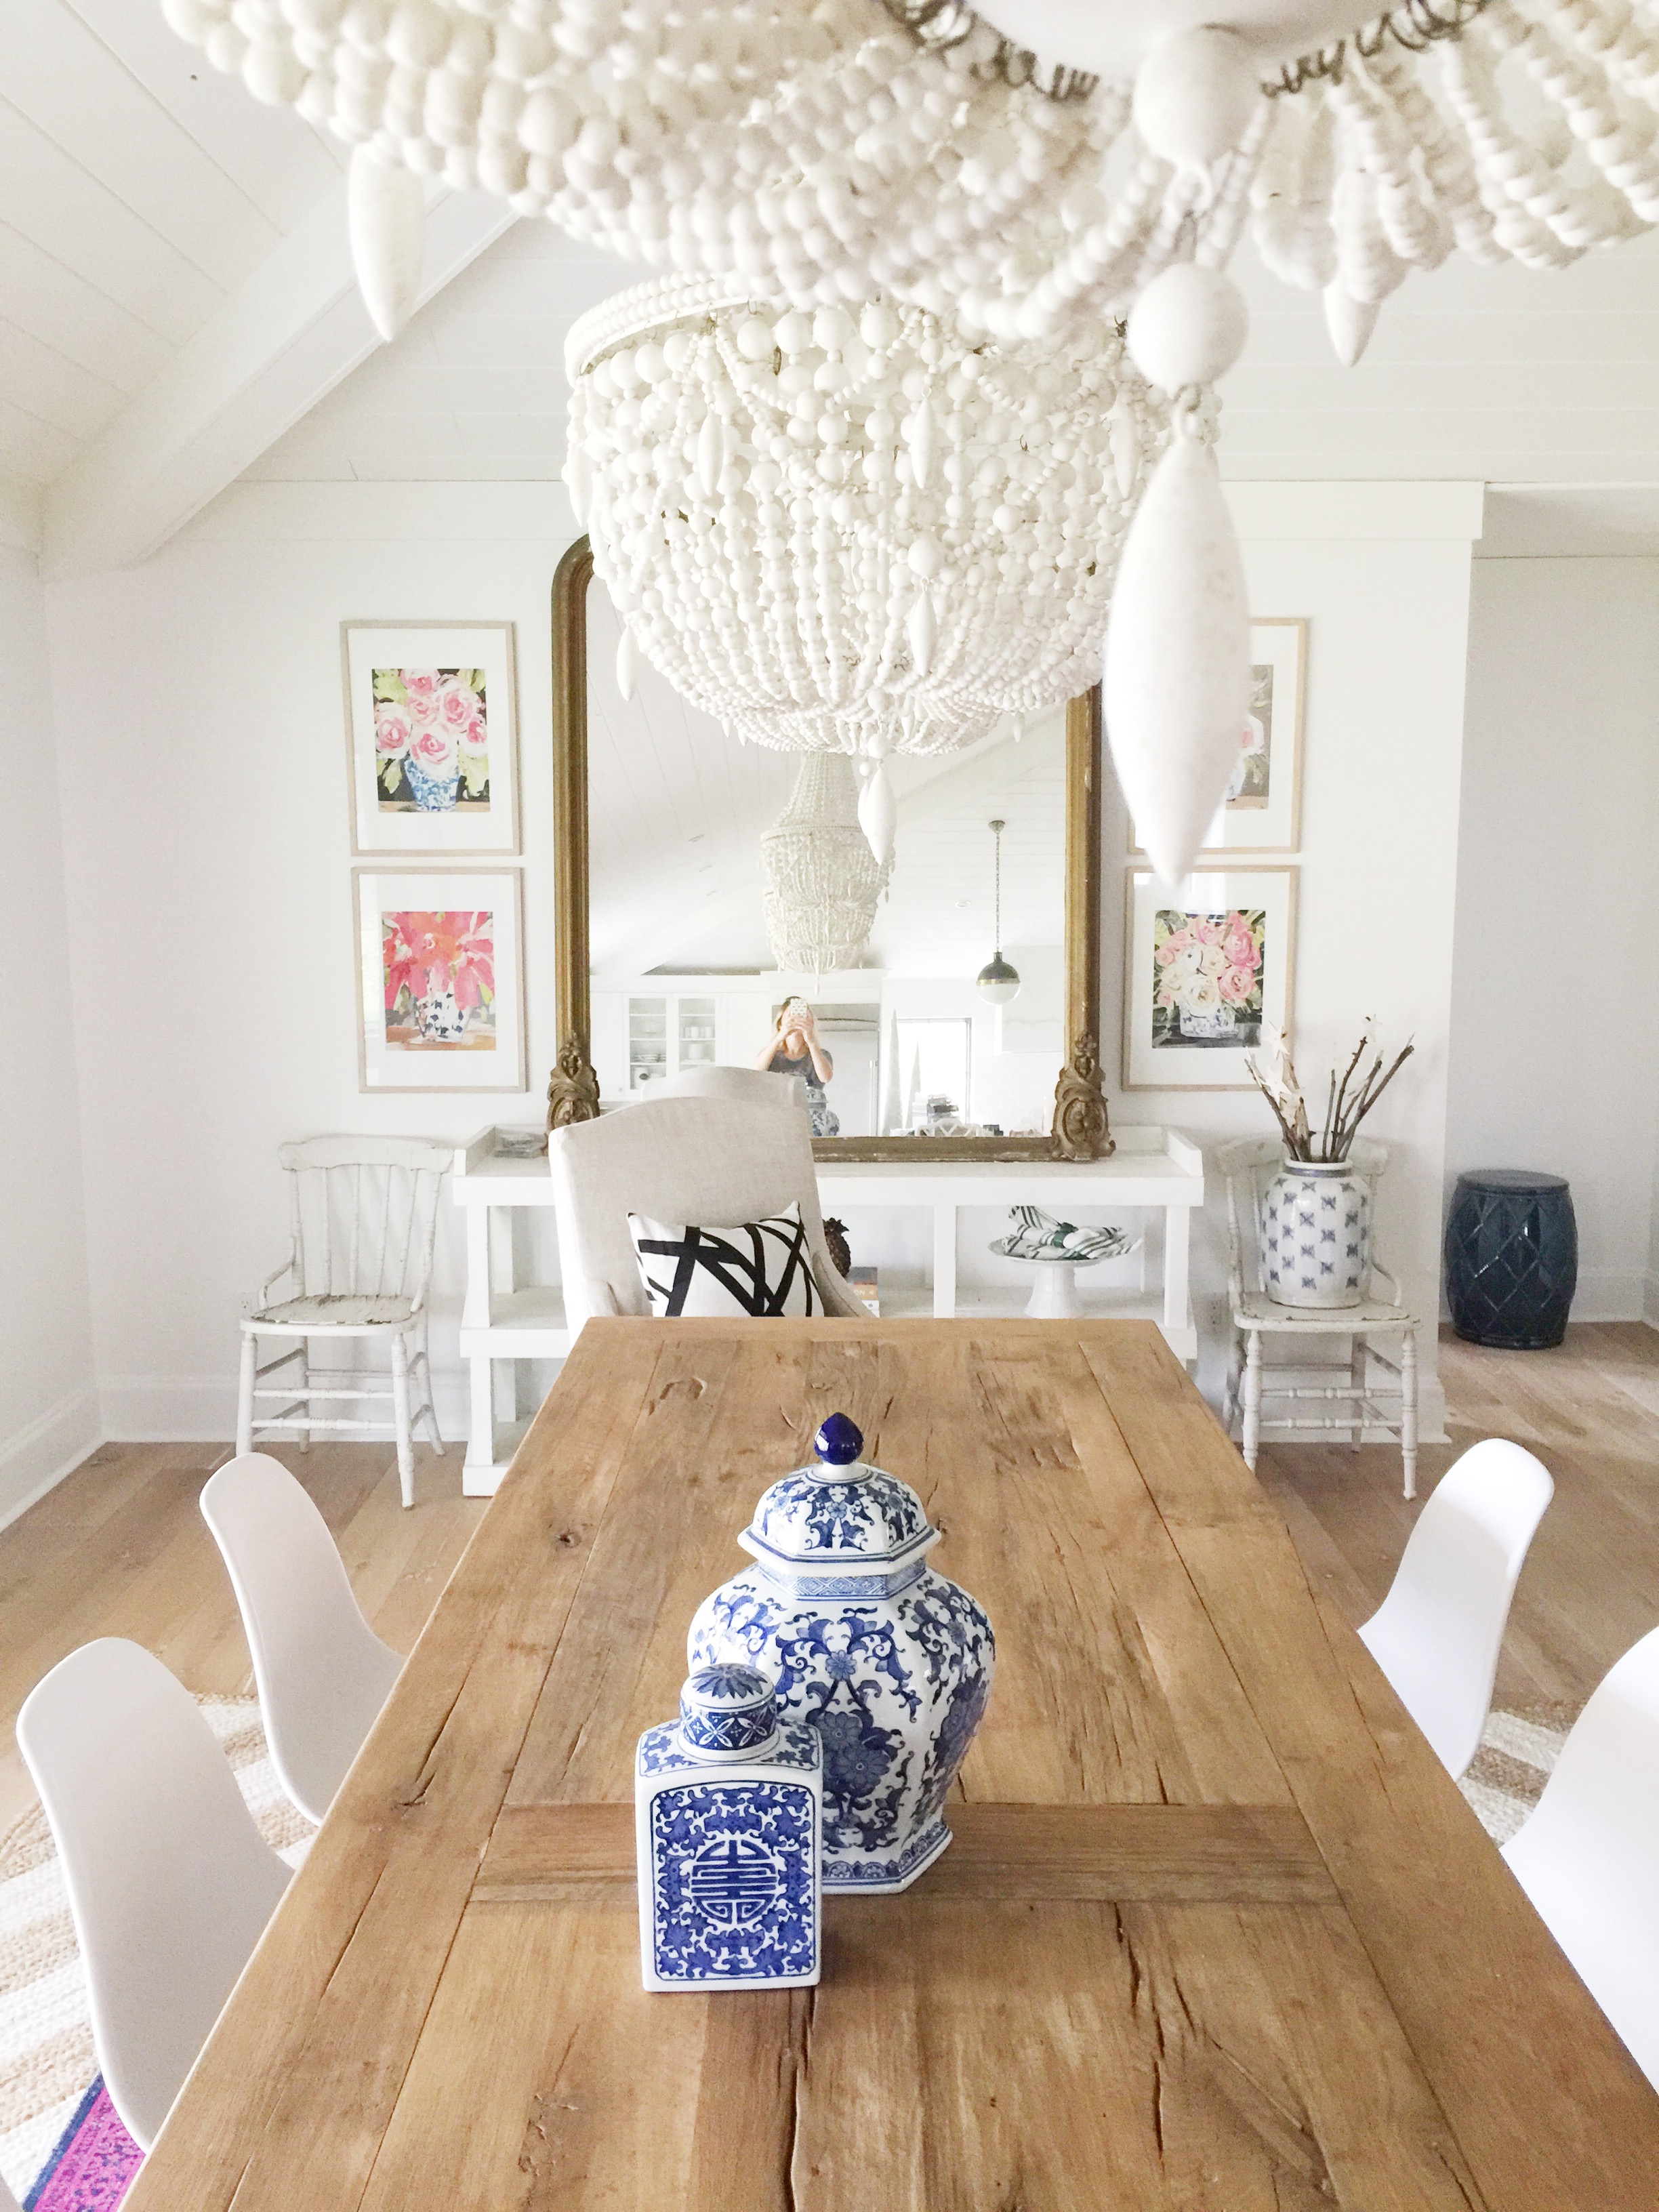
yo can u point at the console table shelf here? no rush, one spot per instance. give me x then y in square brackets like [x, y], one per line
[1153, 1170]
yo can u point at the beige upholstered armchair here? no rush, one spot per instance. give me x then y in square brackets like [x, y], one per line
[701, 1159]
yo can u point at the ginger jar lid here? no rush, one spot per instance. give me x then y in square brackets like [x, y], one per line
[728, 1711]
[839, 1512]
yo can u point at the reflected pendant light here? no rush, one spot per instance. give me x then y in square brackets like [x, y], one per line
[997, 982]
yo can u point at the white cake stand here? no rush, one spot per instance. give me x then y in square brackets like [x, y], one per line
[1053, 1291]
[1063, 1249]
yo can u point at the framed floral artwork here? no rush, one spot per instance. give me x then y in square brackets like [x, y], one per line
[1263, 811]
[440, 980]
[431, 726]
[1207, 966]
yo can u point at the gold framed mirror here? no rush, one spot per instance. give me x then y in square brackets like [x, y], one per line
[1078, 1130]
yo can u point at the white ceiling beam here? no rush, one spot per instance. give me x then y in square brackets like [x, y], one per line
[283, 339]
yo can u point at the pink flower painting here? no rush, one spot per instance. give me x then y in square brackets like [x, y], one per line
[1206, 978]
[439, 973]
[431, 740]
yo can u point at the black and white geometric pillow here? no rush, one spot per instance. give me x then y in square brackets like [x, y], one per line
[760, 1268]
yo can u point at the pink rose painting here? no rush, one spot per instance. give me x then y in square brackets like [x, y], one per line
[1206, 978]
[431, 741]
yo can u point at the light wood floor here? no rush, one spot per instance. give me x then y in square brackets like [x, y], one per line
[121, 1549]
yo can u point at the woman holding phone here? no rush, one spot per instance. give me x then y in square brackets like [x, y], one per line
[793, 1049]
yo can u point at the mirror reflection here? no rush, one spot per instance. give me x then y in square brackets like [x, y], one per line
[740, 916]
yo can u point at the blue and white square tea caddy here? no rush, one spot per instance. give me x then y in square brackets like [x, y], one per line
[888, 1662]
[728, 1819]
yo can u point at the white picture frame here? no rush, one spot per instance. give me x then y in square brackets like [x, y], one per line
[1170, 1045]
[468, 1034]
[1263, 814]
[463, 800]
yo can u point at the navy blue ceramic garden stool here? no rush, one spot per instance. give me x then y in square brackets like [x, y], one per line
[1512, 1258]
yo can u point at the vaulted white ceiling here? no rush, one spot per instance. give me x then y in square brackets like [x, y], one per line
[177, 309]
[175, 285]
[1506, 374]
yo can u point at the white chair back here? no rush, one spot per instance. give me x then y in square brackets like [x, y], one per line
[170, 1883]
[715, 1160]
[1438, 1633]
[753, 1086]
[364, 1214]
[323, 1674]
[1589, 1856]
[1247, 1164]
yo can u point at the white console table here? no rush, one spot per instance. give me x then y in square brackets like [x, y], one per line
[1152, 1170]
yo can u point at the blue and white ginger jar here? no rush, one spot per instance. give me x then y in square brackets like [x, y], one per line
[728, 1805]
[888, 1662]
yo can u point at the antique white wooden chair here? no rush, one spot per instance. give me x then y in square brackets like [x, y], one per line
[364, 1212]
[1247, 1164]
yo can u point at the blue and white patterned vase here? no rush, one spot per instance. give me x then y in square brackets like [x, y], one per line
[888, 1662]
[1316, 1235]
[728, 1820]
[433, 794]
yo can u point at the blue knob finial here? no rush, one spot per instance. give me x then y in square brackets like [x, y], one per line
[839, 1442]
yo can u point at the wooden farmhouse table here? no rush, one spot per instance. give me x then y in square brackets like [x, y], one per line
[1216, 1932]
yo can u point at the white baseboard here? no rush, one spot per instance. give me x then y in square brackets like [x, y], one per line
[37, 1457]
[1615, 1294]
[167, 1409]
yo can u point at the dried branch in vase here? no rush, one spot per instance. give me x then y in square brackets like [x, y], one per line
[1349, 1096]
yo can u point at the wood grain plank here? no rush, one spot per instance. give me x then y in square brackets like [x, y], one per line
[318, 2036]
[1497, 2020]
[574, 1853]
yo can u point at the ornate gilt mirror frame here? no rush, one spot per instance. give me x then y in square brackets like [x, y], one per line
[1080, 1130]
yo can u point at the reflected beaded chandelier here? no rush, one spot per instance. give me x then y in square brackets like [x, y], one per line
[820, 882]
[853, 532]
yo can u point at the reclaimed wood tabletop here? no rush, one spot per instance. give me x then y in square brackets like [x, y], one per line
[1217, 1933]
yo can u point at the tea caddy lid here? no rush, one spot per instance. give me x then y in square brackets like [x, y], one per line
[728, 1711]
[839, 1511]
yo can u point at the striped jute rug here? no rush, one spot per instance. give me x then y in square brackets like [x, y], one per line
[1517, 1755]
[47, 2066]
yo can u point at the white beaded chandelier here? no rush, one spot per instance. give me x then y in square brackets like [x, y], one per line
[853, 531]
[821, 883]
[822, 156]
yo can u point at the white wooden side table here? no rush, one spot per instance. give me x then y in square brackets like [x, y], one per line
[1153, 1170]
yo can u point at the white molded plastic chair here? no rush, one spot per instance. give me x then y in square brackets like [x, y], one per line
[364, 1216]
[1438, 1633]
[323, 1674]
[1589, 1856]
[1247, 1163]
[169, 1881]
[718, 1160]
